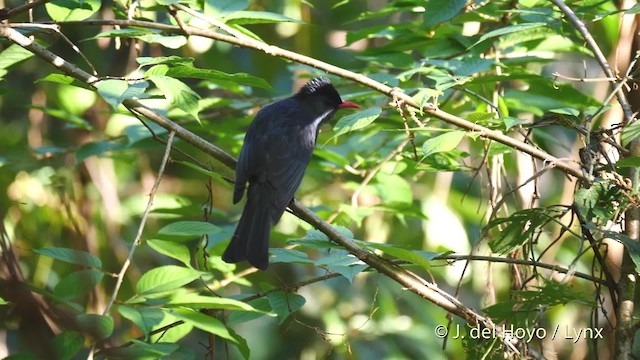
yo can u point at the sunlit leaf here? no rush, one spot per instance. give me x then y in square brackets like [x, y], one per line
[356, 121]
[165, 278]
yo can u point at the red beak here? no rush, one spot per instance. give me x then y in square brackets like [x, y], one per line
[347, 104]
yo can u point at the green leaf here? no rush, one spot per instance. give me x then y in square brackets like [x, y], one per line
[290, 256]
[632, 161]
[410, 256]
[203, 322]
[342, 263]
[261, 304]
[144, 318]
[72, 10]
[630, 132]
[356, 121]
[220, 8]
[65, 80]
[114, 92]
[165, 278]
[193, 300]
[71, 256]
[67, 344]
[508, 30]
[174, 60]
[13, 55]
[257, 17]
[178, 93]
[442, 143]
[441, 11]
[189, 229]
[74, 120]
[98, 326]
[77, 284]
[216, 76]
[171, 249]
[285, 304]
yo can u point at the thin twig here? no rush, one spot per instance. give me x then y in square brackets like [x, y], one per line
[143, 221]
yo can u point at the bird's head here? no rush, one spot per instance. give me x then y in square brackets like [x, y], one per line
[320, 94]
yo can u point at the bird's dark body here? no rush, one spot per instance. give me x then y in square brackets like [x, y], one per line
[276, 151]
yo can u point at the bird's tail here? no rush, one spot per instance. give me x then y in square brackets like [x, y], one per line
[251, 239]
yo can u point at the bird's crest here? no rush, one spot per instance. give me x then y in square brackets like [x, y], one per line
[315, 85]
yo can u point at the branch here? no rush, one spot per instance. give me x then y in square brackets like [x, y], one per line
[250, 43]
[602, 60]
[20, 9]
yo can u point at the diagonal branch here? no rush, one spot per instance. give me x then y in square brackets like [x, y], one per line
[250, 43]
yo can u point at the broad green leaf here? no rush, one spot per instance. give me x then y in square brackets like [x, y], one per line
[67, 344]
[203, 322]
[342, 263]
[261, 304]
[257, 17]
[285, 304]
[144, 318]
[442, 143]
[174, 60]
[146, 351]
[630, 132]
[63, 79]
[442, 10]
[71, 256]
[409, 256]
[189, 229]
[632, 161]
[72, 10]
[171, 249]
[221, 8]
[114, 92]
[508, 30]
[356, 121]
[73, 120]
[165, 278]
[290, 256]
[98, 326]
[193, 300]
[178, 93]
[13, 55]
[77, 284]
[184, 71]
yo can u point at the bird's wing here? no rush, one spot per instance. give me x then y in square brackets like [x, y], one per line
[252, 159]
[286, 163]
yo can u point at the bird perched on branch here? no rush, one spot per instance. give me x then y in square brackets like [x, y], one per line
[276, 151]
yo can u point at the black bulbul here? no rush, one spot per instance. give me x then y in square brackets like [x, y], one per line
[276, 151]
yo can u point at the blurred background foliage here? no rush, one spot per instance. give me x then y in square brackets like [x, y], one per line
[76, 174]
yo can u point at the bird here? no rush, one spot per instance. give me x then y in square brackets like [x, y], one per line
[277, 148]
